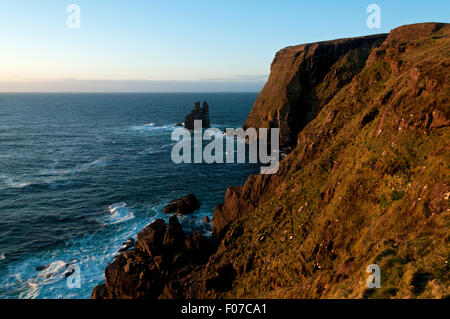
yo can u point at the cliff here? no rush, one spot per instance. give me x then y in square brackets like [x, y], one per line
[303, 79]
[367, 180]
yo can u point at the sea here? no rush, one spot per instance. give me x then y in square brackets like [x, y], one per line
[82, 173]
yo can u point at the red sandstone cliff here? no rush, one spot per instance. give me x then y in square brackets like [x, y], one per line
[367, 182]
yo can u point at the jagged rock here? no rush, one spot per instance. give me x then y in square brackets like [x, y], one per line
[134, 277]
[198, 114]
[188, 204]
[149, 270]
[101, 292]
[303, 79]
[184, 206]
[174, 237]
[239, 201]
[150, 239]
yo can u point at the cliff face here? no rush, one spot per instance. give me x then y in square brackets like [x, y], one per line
[303, 79]
[366, 183]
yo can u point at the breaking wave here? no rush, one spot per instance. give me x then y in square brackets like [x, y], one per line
[153, 127]
[119, 213]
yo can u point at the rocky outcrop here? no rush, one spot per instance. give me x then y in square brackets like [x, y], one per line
[239, 201]
[150, 239]
[352, 192]
[151, 269]
[198, 113]
[184, 206]
[366, 182]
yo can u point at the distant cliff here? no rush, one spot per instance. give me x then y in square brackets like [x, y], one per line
[367, 182]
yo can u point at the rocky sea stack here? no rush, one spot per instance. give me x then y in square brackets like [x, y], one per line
[367, 182]
[198, 113]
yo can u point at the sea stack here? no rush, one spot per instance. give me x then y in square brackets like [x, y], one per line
[198, 113]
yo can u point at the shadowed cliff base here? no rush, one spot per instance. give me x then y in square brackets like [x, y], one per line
[366, 183]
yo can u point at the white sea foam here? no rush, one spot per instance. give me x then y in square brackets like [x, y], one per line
[92, 252]
[213, 132]
[31, 291]
[97, 163]
[156, 150]
[52, 176]
[52, 274]
[119, 213]
[55, 269]
[103, 161]
[152, 127]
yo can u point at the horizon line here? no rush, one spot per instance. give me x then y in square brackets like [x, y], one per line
[124, 92]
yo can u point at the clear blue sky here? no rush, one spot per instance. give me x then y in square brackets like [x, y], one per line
[184, 40]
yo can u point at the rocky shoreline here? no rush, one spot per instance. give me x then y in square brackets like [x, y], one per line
[162, 253]
[164, 262]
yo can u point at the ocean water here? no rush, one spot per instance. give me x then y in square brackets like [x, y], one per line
[81, 173]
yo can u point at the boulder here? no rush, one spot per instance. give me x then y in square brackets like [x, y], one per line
[171, 208]
[133, 276]
[150, 239]
[188, 204]
[101, 292]
[184, 206]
